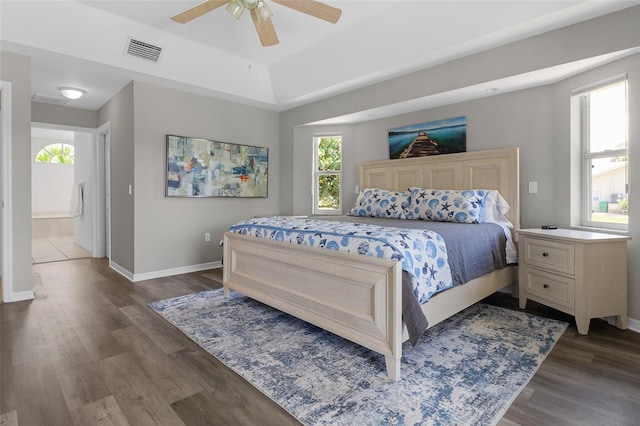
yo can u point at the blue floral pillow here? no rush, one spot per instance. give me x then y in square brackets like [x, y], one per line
[375, 202]
[445, 205]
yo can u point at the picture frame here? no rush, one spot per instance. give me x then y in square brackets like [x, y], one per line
[203, 168]
[432, 138]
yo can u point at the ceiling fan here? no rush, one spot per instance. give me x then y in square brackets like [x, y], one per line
[261, 14]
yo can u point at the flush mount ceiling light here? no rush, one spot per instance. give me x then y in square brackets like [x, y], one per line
[71, 92]
[261, 14]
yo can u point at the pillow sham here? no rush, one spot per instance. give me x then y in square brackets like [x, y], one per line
[495, 209]
[376, 202]
[446, 205]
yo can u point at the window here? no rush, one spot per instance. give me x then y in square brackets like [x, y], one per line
[59, 153]
[327, 166]
[604, 144]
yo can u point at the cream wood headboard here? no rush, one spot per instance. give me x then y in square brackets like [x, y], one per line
[494, 169]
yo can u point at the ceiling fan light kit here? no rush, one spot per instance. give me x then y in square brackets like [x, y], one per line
[235, 9]
[261, 13]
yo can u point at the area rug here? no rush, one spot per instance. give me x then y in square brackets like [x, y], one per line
[465, 371]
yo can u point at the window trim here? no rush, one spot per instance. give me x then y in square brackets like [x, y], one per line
[587, 156]
[317, 173]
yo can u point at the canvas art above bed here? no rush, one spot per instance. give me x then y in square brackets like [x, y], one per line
[433, 138]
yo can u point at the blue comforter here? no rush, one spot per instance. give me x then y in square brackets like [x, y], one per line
[423, 252]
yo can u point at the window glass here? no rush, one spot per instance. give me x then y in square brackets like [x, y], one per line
[608, 118]
[59, 153]
[327, 174]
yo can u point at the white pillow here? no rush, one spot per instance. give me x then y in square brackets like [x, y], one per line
[495, 208]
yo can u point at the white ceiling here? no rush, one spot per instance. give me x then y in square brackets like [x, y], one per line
[82, 44]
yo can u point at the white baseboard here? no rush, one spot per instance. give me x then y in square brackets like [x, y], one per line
[176, 271]
[163, 273]
[122, 271]
[633, 324]
[19, 296]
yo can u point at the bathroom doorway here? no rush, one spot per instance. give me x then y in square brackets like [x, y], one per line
[61, 176]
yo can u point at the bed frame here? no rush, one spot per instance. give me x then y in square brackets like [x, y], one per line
[360, 297]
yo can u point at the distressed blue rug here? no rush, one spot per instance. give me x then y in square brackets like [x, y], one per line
[464, 371]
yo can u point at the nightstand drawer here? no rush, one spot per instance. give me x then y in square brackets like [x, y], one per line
[549, 255]
[550, 287]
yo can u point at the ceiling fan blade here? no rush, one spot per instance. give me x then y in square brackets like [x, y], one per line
[264, 27]
[198, 11]
[313, 8]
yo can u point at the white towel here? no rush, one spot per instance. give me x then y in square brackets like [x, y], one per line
[76, 201]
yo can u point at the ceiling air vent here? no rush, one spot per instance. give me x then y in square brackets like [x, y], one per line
[142, 50]
[48, 99]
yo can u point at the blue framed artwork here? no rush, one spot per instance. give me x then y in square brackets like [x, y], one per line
[205, 168]
[433, 138]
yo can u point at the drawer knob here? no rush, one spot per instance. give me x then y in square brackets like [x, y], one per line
[545, 285]
[545, 254]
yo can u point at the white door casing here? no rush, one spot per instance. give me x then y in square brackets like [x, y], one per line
[5, 191]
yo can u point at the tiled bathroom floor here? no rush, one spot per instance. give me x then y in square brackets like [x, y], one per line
[54, 249]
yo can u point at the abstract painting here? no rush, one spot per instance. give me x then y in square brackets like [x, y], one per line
[433, 138]
[205, 168]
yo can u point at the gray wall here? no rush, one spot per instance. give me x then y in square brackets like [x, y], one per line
[536, 120]
[169, 232]
[119, 111]
[16, 69]
[64, 115]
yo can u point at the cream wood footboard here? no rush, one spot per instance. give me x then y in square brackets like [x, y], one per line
[356, 297]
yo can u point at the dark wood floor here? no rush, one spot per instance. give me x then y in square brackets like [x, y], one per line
[88, 350]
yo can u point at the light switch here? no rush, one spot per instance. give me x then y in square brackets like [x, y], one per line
[533, 187]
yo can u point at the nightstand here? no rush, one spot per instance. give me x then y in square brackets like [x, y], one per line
[581, 273]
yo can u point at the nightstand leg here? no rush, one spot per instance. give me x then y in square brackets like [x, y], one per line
[225, 292]
[621, 322]
[523, 301]
[583, 325]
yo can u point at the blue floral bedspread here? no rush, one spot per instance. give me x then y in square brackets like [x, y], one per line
[423, 252]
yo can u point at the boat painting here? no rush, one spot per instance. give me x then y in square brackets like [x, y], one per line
[432, 138]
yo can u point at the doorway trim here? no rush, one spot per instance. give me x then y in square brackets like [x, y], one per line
[7, 214]
[102, 181]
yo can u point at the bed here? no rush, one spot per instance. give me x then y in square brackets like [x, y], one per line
[360, 297]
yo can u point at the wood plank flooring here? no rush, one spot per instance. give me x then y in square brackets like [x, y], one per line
[88, 350]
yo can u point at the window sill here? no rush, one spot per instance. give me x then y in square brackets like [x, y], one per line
[602, 230]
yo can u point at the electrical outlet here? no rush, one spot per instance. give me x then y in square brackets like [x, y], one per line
[207, 237]
[533, 187]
